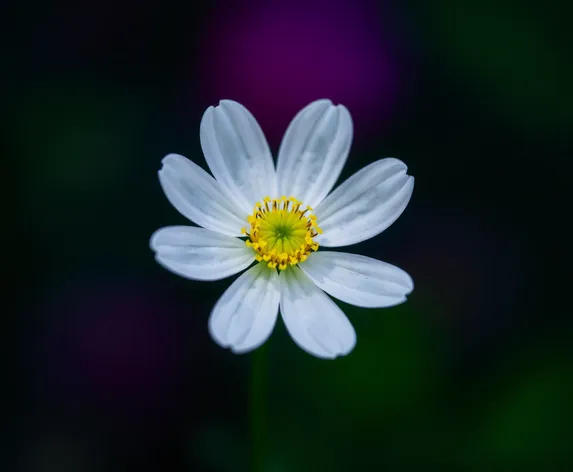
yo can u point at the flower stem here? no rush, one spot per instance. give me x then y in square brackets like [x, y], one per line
[258, 408]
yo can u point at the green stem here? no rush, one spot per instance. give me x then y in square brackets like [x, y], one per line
[258, 408]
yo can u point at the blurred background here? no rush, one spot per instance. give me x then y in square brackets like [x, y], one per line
[111, 367]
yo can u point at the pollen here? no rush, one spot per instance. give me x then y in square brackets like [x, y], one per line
[281, 232]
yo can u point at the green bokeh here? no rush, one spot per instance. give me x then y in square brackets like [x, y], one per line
[77, 141]
[527, 418]
[511, 56]
[381, 400]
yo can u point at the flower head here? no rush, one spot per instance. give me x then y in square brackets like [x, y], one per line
[281, 232]
[277, 219]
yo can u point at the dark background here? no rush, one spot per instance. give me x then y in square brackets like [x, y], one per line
[111, 367]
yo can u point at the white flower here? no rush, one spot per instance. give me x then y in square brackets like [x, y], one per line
[284, 216]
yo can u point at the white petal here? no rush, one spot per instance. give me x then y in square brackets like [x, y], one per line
[245, 315]
[358, 280]
[199, 254]
[365, 204]
[199, 197]
[237, 153]
[313, 151]
[313, 320]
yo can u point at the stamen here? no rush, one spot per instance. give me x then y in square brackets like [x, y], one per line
[280, 233]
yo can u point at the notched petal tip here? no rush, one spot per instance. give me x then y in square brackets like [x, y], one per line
[394, 162]
[160, 237]
[214, 333]
[172, 161]
[227, 106]
[326, 101]
[153, 240]
[208, 112]
[229, 102]
[171, 157]
[409, 284]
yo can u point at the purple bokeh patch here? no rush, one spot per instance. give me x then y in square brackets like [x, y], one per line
[276, 57]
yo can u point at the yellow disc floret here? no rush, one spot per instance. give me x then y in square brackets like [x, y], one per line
[281, 233]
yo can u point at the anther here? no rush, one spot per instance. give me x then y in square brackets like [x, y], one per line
[281, 233]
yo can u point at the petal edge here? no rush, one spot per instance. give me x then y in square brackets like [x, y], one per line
[199, 254]
[315, 323]
[358, 280]
[313, 151]
[365, 204]
[237, 153]
[198, 196]
[245, 315]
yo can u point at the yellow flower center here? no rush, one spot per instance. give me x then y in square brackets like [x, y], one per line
[281, 233]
